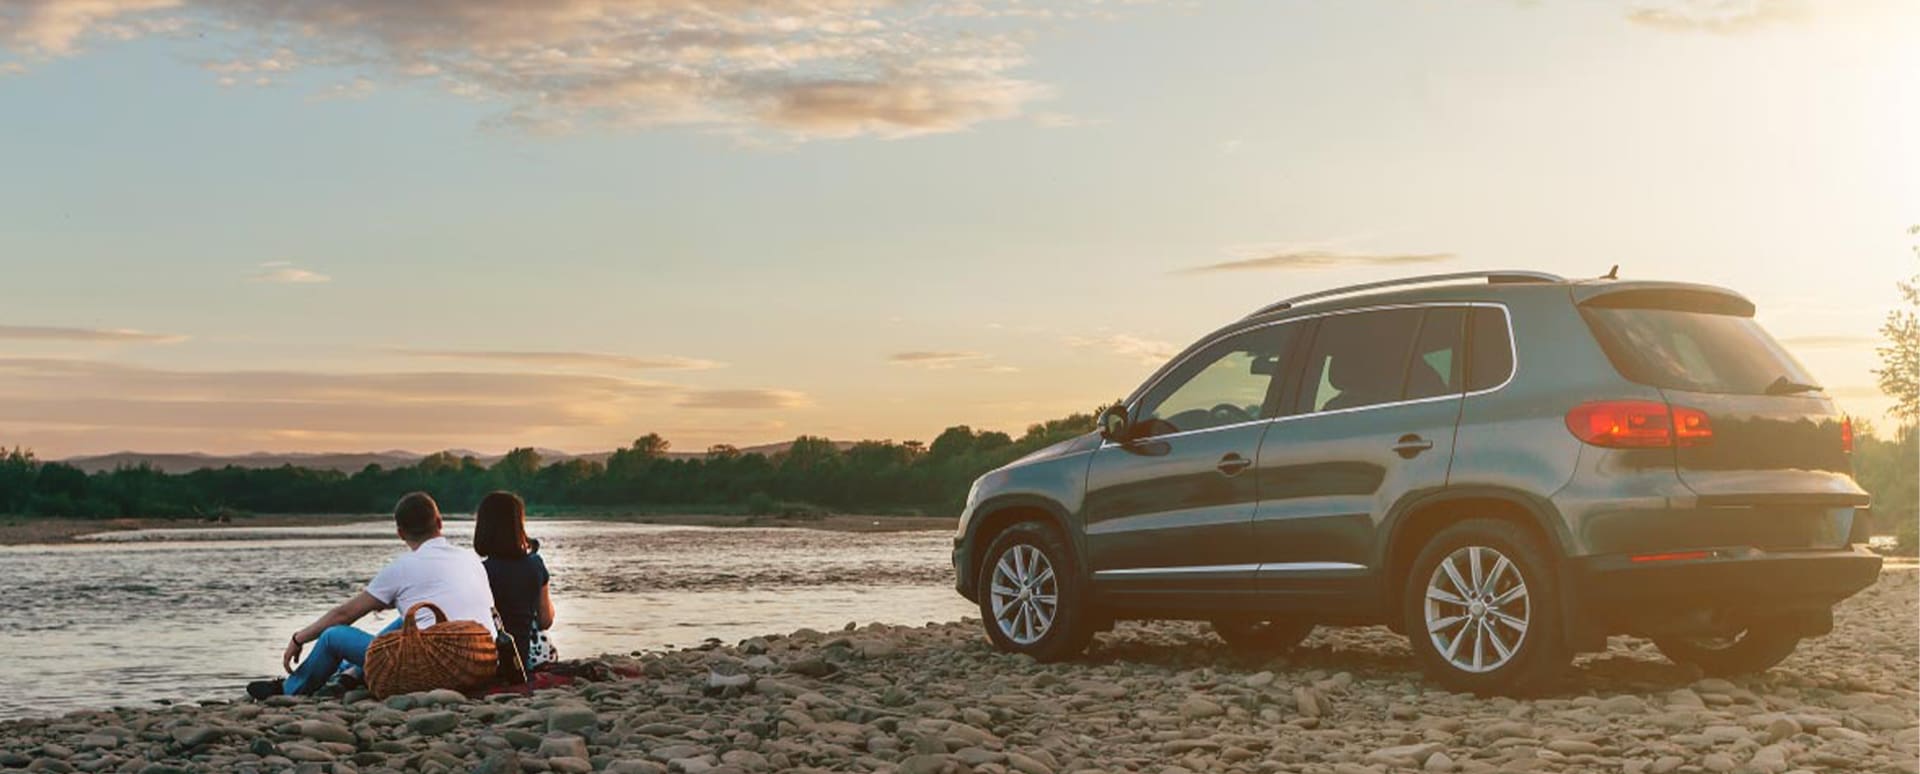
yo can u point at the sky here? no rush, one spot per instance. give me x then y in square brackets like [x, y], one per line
[349, 225]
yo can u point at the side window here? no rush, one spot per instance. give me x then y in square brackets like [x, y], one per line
[1491, 349]
[1438, 354]
[1227, 383]
[1358, 359]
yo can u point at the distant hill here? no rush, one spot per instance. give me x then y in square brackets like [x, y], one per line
[187, 462]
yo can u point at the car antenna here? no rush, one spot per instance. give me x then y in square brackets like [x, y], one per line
[1613, 273]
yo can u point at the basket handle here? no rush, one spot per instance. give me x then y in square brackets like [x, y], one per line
[438, 616]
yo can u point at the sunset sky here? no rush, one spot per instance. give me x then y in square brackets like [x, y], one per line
[344, 225]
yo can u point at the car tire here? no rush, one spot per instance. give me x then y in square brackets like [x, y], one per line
[1755, 650]
[1489, 621]
[1034, 562]
[1253, 637]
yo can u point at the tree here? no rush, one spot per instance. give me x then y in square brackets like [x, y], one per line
[651, 446]
[519, 466]
[1899, 371]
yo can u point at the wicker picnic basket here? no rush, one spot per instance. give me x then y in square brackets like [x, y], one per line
[449, 654]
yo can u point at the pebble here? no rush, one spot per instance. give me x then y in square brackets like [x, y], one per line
[1162, 697]
[432, 723]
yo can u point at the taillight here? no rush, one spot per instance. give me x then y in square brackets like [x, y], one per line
[1638, 424]
[1846, 435]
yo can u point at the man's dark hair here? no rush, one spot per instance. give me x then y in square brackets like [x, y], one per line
[417, 516]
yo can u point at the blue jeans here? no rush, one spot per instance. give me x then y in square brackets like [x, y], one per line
[338, 646]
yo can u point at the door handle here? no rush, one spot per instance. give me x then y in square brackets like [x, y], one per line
[1410, 446]
[1233, 463]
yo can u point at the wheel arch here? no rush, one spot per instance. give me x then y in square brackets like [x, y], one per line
[995, 515]
[1417, 520]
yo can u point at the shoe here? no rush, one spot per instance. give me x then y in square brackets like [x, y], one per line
[261, 689]
[340, 684]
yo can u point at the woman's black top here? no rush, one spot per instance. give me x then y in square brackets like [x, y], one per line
[516, 594]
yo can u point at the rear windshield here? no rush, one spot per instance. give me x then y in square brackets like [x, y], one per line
[1695, 351]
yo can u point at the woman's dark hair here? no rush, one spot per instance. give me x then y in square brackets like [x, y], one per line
[500, 526]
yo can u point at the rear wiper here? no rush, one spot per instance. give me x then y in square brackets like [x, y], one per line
[1785, 386]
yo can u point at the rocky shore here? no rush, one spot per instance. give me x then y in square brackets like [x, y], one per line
[1161, 697]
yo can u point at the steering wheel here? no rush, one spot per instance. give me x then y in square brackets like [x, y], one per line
[1227, 414]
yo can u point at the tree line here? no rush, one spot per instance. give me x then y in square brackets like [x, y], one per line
[813, 472]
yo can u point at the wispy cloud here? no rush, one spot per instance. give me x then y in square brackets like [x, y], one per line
[795, 68]
[358, 88]
[1135, 348]
[1294, 260]
[751, 399]
[1718, 16]
[934, 360]
[1856, 392]
[568, 359]
[108, 335]
[284, 273]
[1830, 342]
[82, 396]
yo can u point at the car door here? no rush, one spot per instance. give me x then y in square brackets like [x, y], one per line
[1170, 508]
[1371, 420]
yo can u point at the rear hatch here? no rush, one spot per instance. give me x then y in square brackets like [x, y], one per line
[1769, 440]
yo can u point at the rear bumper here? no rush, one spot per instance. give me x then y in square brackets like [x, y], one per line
[1739, 582]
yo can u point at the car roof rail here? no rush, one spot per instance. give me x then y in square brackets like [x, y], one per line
[1505, 277]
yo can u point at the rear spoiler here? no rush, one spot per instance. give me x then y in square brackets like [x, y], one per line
[1677, 296]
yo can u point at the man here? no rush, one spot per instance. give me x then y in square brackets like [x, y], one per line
[432, 570]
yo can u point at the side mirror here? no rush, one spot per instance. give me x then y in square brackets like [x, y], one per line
[1114, 424]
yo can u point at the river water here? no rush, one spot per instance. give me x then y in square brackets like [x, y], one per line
[135, 617]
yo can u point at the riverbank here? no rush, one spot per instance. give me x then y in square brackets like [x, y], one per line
[1161, 697]
[16, 531]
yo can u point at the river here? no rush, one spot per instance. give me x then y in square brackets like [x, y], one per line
[131, 618]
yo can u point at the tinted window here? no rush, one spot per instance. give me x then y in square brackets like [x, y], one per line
[1693, 350]
[1436, 364]
[1226, 383]
[1491, 346]
[1359, 360]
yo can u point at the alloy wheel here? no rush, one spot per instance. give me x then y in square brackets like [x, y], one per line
[1477, 609]
[1025, 594]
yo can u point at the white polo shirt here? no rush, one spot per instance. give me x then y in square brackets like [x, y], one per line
[439, 572]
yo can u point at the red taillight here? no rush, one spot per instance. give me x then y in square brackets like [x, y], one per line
[1846, 435]
[1638, 424]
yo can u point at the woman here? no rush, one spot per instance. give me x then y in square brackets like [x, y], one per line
[516, 572]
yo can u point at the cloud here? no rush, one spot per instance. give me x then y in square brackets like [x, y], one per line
[927, 359]
[742, 399]
[1830, 342]
[93, 378]
[568, 359]
[942, 361]
[358, 88]
[107, 335]
[793, 68]
[1134, 348]
[283, 273]
[1291, 260]
[95, 404]
[1718, 16]
[55, 27]
[1856, 392]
